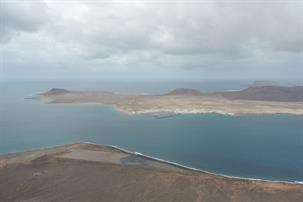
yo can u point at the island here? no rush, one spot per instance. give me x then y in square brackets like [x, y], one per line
[89, 172]
[256, 99]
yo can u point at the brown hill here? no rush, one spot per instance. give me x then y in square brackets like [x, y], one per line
[184, 91]
[267, 93]
[260, 83]
[55, 91]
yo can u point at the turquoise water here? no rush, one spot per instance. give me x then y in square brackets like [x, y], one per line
[266, 147]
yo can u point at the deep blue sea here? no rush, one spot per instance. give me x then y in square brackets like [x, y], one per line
[266, 147]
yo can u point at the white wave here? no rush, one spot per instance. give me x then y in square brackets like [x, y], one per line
[165, 161]
[195, 169]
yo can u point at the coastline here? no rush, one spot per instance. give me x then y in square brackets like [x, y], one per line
[192, 168]
[178, 165]
[173, 103]
[105, 169]
[170, 112]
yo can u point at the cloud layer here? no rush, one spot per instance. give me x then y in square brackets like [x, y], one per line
[166, 39]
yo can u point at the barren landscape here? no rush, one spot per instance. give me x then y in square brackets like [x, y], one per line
[151, 101]
[86, 172]
[253, 100]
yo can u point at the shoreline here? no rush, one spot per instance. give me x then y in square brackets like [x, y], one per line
[192, 168]
[104, 169]
[188, 103]
[175, 164]
[169, 111]
[173, 113]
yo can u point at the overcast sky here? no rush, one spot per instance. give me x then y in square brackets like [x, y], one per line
[196, 40]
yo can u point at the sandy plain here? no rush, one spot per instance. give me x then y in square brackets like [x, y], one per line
[178, 104]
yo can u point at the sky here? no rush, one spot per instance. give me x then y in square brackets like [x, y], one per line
[150, 40]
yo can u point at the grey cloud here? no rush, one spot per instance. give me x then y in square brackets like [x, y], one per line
[210, 36]
[19, 17]
[201, 28]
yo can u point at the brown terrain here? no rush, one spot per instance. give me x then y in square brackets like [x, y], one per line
[86, 172]
[252, 100]
[268, 93]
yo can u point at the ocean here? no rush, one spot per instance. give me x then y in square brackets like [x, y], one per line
[268, 147]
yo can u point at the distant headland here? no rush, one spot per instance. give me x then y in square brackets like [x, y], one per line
[256, 99]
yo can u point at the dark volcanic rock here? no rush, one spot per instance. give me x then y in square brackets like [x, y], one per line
[268, 93]
[55, 91]
[184, 91]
